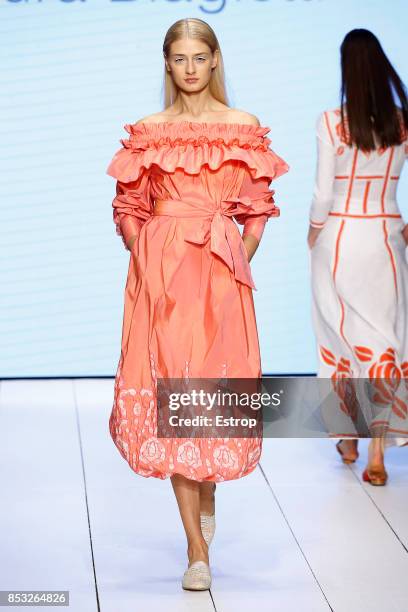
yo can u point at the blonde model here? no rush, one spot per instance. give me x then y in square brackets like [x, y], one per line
[183, 175]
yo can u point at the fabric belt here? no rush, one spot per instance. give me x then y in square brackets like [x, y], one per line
[225, 238]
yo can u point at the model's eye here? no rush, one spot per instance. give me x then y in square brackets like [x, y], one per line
[178, 59]
[201, 59]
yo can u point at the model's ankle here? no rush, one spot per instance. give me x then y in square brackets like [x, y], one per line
[197, 551]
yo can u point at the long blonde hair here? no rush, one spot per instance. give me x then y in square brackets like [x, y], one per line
[198, 29]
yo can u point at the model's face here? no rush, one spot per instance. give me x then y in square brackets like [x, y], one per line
[190, 63]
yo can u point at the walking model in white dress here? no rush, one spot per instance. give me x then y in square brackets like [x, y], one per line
[358, 257]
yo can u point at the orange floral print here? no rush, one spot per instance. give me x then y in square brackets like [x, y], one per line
[342, 381]
[383, 373]
[386, 377]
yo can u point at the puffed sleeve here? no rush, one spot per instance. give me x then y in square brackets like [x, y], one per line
[262, 205]
[133, 203]
[262, 166]
[325, 172]
[132, 206]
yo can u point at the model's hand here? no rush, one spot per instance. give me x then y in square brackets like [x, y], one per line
[251, 244]
[312, 235]
[404, 233]
[131, 242]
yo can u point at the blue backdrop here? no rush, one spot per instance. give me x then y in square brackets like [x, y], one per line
[73, 73]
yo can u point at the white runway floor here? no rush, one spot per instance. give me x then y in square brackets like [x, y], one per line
[302, 533]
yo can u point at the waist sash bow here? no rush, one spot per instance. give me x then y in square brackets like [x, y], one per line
[225, 239]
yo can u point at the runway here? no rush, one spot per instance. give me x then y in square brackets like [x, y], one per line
[301, 533]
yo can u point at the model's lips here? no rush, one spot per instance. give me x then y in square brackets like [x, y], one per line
[191, 80]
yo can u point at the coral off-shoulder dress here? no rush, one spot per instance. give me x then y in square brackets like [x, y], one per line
[188, 304]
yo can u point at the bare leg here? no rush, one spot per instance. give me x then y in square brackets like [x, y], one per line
[187, 493]
[376, 453]
[207, 497]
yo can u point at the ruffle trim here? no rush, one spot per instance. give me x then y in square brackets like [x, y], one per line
[190, 145]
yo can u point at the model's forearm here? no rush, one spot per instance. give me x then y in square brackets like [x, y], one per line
[251, 244]
[131, 241]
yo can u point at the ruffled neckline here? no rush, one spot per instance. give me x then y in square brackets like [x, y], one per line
[187, 131]
[244, 127]
[251, 125]
[191, 145]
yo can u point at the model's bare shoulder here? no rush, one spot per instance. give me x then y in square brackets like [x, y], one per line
[241, 116]
[154, 118]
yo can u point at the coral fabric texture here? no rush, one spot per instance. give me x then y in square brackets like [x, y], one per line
[188, 304]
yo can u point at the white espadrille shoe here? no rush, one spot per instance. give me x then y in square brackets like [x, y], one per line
[207, 527]
[197, 577]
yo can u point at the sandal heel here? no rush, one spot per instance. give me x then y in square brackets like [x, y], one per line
[346, 460]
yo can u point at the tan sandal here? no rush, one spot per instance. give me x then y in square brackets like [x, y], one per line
[344, 458]
[376, 475]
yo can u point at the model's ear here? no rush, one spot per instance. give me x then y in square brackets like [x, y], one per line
[215, 59]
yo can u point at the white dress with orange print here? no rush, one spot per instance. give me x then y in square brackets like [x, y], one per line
[359, 272]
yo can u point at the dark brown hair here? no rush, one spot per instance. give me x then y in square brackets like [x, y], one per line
[368, 85]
